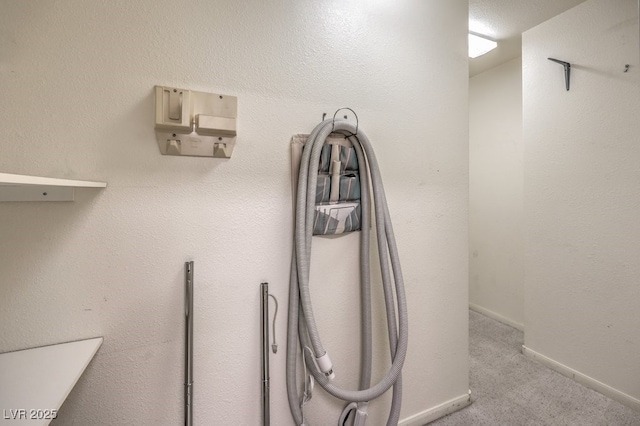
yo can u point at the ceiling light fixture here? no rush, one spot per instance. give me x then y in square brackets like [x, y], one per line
[478, 46]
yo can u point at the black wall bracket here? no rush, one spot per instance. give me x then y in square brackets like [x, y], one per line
[567, 71]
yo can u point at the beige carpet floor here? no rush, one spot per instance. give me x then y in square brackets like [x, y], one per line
[511, 390]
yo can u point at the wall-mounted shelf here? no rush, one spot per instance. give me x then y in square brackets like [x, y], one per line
[35, 382]
[35, 188]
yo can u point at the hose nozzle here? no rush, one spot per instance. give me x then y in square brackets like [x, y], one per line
[326, 366]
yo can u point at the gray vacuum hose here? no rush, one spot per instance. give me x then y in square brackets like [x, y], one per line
[301, 323]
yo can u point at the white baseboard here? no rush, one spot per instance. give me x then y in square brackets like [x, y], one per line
[438, 411]
[496, 316]
[583, 379]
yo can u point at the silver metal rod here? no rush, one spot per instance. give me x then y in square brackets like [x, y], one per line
[264, 343]
[188, 347]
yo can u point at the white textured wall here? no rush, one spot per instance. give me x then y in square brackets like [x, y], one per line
[582, 298]
[495, 193]
[77, 102]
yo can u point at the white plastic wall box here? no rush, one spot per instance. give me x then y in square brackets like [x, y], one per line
[195, 123]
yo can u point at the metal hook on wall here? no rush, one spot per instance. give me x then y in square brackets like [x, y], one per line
[354, 114]
[567, 71]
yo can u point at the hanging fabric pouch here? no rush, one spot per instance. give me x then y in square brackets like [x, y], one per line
[338, 187]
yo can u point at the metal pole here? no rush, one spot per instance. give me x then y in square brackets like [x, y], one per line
[188, 348]
[264, 343]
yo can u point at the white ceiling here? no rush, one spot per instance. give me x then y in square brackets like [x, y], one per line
[504, 21]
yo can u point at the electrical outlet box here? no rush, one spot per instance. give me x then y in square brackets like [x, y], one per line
[173, 107]
[195, 123]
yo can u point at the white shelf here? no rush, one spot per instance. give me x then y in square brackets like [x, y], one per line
[36, 188]
[40, 379]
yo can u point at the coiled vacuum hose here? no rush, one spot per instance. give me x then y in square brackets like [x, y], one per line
[301, 324]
